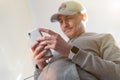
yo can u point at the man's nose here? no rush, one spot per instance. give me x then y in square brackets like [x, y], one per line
[65, 23]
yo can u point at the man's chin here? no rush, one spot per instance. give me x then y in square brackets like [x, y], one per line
[69, 36]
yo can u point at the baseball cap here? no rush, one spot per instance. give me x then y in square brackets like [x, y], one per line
[70, 7]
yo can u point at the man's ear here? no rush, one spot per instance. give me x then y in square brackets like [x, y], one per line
[84, 16]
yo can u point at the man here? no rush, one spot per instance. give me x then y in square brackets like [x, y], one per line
[86, 56]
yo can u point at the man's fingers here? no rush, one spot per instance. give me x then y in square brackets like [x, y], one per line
[37, 51]
[40, 39]
[39, 55]
[34, 45]
[47, 31]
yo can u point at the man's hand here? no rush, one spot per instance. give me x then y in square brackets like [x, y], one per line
[55, 42]
[39, 53]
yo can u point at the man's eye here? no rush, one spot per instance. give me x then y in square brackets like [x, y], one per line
[70, 17]
[60, 21]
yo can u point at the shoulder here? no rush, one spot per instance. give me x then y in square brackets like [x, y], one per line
[106, 36]
[105, 39]
[96, 35]
[99, 36]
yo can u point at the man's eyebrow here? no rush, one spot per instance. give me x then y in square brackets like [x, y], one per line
[59, 17]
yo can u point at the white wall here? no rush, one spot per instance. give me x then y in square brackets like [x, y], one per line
[16, 21]
[15, 53]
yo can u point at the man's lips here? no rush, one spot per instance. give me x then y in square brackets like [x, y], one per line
[68, 30]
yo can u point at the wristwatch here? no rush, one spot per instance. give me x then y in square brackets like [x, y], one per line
[74, 49]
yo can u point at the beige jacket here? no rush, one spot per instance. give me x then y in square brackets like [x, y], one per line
[97, 59]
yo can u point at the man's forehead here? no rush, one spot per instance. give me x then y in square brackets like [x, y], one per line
[59, 16]
[63, 16]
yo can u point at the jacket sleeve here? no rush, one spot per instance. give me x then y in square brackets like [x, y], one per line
[36, 73]
[105, 67]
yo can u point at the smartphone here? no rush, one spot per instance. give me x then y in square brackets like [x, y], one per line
[34, 34]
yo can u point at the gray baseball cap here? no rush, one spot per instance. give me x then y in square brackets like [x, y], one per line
[70, 7]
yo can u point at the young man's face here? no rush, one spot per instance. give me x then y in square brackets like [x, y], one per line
[70, 24]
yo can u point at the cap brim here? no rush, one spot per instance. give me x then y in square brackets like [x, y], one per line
[54, 17]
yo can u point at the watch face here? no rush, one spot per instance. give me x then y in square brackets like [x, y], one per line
[75, 49]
